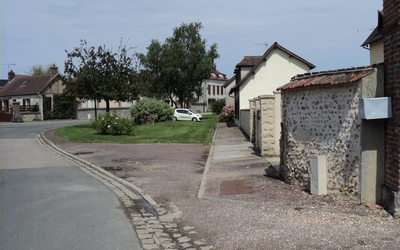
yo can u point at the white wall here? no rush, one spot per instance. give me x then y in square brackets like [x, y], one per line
[230, 100]
[276, 71]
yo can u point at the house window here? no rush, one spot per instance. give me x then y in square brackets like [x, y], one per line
[213, 89]
[217, 90]
[222, 92]
[209, 89]
[25, 82]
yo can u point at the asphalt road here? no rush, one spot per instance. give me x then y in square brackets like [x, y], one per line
[48, 203]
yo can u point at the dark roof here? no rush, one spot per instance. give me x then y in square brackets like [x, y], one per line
[376, 34]
[3, 83]
[270, 49]
[249, 61]
[27, 85]
[331, 77]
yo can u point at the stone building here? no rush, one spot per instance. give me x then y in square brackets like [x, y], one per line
[331, 141]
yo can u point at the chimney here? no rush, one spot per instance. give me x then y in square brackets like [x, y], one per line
[53, 70]
[11, 75]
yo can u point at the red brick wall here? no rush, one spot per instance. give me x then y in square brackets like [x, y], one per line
[391, 27]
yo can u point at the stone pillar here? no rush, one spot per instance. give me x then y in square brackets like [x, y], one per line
[16, 108]
[391, 38]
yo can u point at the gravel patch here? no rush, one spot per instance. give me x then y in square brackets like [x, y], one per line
[274, 216]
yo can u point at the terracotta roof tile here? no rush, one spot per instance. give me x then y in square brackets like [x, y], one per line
[331, 77]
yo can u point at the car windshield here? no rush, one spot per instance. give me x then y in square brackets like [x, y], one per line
[194, 112]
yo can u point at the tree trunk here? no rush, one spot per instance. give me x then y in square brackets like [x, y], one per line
[107, 106]
[95, 109]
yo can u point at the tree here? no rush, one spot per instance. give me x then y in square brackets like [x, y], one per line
[38, 69]
[101, 74]
[178, 67]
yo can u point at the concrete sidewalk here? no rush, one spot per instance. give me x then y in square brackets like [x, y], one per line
[229, 145]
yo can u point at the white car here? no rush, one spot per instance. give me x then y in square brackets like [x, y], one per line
[186, 115]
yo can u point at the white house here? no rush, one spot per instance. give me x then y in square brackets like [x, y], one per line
[213, 90]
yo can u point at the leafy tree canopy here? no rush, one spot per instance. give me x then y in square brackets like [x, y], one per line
[98, 73]
[177, 68]
[39, 69]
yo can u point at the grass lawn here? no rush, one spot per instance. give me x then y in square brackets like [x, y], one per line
[161, 132]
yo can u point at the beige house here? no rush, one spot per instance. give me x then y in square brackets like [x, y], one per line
[25, 94]
[261, 75]
[87, 109]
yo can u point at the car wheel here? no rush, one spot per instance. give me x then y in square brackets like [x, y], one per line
[194, 119]
[174, 118]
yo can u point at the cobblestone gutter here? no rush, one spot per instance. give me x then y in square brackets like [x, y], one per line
[154, 226]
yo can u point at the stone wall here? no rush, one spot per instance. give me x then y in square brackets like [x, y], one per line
[323, 121]
[89, 113]
[245, 121]
[28, 117]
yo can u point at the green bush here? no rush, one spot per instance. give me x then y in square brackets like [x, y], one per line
[64, 107]
[153, 108]
[217, 106]
[47, 115]
[17, 118]
[112, 124]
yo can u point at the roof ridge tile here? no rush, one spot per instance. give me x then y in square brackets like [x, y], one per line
[331, 72]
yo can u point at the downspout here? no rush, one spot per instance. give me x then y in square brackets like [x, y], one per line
[41, 105]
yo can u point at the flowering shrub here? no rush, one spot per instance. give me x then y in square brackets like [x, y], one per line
[145, 115]
[157, 109]
[112, 124]
[144, 118]
[227, 114]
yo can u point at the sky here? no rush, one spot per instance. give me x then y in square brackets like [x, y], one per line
[326, 33]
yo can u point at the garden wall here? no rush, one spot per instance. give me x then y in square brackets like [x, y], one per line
[245, 121]
[89, 113]
[322, 121]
